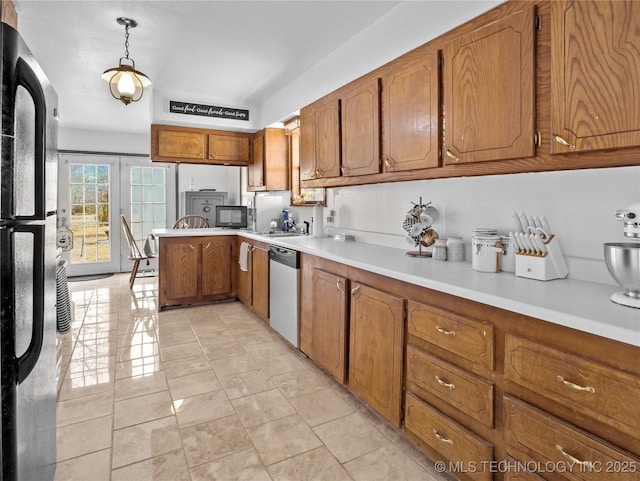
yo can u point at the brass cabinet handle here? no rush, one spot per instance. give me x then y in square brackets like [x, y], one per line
[344, 170]
[451, 155]
[575, 386]
[212, 155]
[338, 285]
[318, 173]
[388, 163]
[560, 140]
[449, 386]
[207, 246]
[440, 437]
[445, 332]
[571, 458]
[355, 289]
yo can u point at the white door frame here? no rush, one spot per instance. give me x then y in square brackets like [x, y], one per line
[125, 203]
[64, 210]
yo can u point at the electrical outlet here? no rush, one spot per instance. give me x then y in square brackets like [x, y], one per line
[330, 219]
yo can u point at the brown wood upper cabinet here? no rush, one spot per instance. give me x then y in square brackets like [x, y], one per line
[595, 73]
[270, 167]
[170, 143]
[409, 112]
[320, 139]
[360, 127]
[229, 147]
[489, 91]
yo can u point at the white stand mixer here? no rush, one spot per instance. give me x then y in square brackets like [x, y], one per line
[623, 258]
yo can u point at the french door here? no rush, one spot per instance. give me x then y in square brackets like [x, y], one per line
[92, 192]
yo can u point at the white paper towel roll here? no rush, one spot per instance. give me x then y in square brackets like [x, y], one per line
[318, 221]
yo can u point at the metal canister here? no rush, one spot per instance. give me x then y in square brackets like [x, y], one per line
[486, 253]
[508, 260]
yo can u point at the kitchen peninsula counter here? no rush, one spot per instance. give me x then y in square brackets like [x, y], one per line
[581, 305]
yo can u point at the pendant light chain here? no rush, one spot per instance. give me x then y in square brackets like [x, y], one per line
[126, 41]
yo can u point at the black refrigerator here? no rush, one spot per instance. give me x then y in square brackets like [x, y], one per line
[28, 177]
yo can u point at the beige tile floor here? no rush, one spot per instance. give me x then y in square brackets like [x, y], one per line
[207, 393]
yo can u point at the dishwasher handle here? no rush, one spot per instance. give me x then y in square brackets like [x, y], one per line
[282, 255]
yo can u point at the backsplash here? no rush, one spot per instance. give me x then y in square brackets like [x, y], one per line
[579, 205]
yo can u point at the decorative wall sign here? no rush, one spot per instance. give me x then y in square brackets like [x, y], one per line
[207, 110]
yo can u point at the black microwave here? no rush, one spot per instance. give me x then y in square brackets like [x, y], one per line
[231, 216]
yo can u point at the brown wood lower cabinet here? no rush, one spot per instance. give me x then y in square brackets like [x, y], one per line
[376, 333]
[329, 330]
[470, 456]
[558, 447]
[253, 284]
[192, 270]
[483, 386]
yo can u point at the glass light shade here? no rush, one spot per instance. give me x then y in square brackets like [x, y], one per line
[126, 83]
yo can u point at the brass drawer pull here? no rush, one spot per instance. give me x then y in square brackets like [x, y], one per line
[560, 140]
[450, 386]
[388, 163]
[445, 332]
[355, 289]
[575, 386]
[451, 155]
[440, 437]
[338, 285]
[572, 459]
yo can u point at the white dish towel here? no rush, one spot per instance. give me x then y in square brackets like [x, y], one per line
[244, 256]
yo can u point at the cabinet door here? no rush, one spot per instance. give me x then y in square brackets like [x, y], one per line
[410, 105]
[180, 268]
[181, 145]
[216, 266]
[307, 143]
[255, 172]
[245, 286]
[232, 148]
[276, 160]
[329, 329]
[489, 91]
[327, 138]
[595, 74]
[360, 115]
[260, 274]
[375, 349]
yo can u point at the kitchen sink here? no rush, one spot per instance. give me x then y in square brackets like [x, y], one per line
[281, 234]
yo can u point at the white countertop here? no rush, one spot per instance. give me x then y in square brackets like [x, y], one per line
[580, 305]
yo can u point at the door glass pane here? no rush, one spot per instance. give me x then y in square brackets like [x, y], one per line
[90, 207]
[148, 206]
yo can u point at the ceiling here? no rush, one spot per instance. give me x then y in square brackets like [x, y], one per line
[239, 52]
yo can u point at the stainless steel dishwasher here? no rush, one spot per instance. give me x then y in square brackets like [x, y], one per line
[284, 278]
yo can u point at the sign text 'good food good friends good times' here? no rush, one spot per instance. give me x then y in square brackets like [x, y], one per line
[207, 110]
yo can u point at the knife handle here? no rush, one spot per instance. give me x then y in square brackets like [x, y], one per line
[545, 225]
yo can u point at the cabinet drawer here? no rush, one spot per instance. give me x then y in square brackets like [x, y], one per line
[603, 393]
[464, 391]
[517, 471]
[450, 439]
[466, 338]
[552, 442]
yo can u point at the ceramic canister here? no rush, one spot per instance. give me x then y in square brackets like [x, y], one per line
[440, 250]
[486, 253]
[455, 249]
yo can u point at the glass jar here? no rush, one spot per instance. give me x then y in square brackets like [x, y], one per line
[455, 249]
[440, 250]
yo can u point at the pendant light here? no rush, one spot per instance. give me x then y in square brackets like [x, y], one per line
[125, 82]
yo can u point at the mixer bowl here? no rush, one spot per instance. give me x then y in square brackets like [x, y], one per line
[623, 262]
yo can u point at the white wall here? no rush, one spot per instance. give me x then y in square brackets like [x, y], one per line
[221, 178]
[579, 205]
[99, 141]
[160, 113]
[403, 28]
